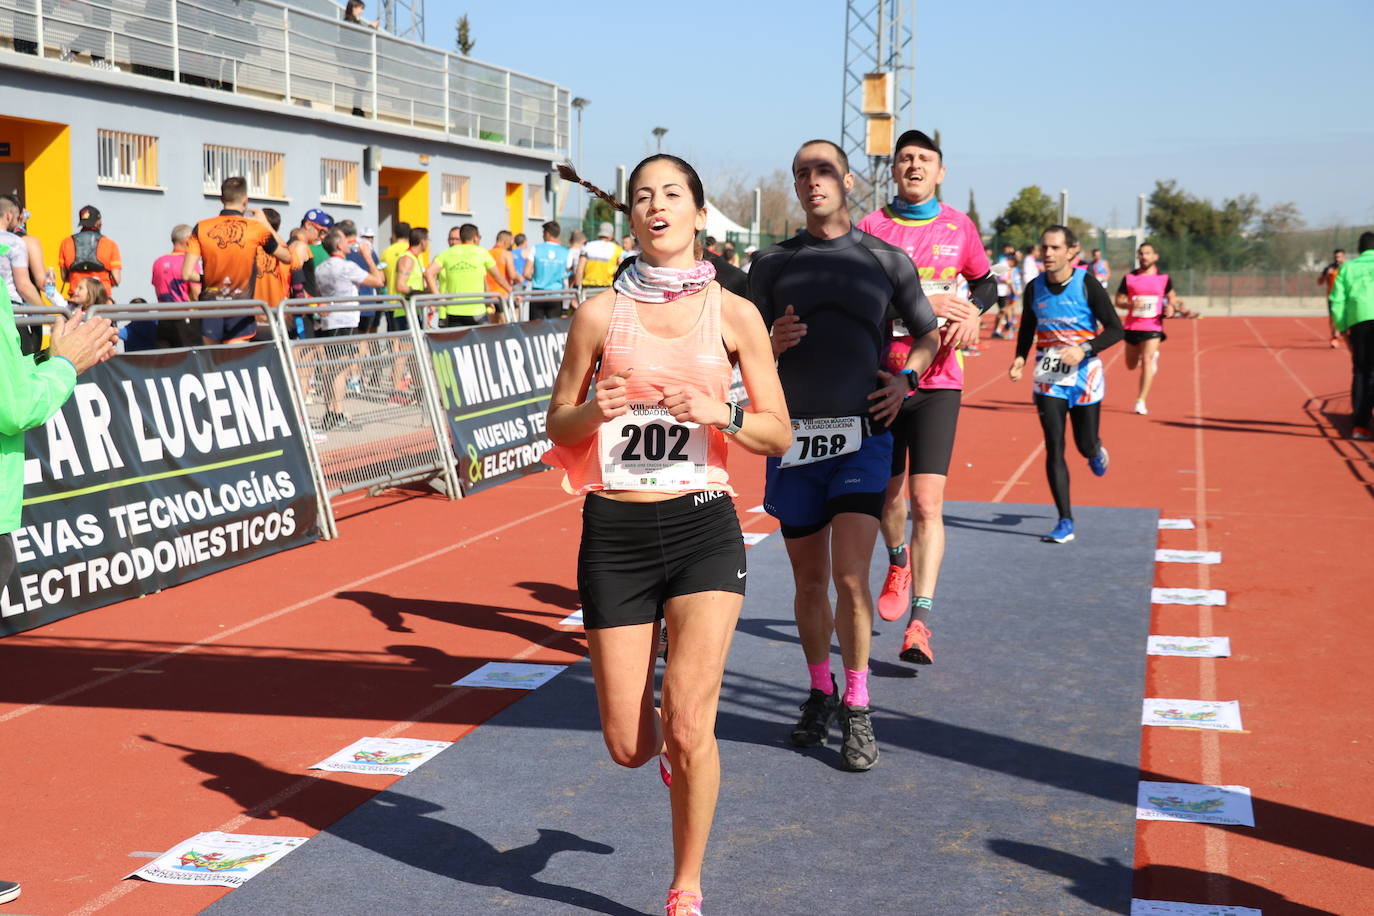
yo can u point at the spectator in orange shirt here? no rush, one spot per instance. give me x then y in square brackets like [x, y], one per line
[505, 265]
[274, 275]
[228, 247]
[88, 253]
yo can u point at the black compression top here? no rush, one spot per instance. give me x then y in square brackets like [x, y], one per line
[841, 289]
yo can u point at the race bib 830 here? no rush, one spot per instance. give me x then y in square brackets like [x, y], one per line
[1050, 368]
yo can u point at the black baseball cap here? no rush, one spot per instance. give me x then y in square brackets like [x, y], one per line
[917, 139]
[88, 217]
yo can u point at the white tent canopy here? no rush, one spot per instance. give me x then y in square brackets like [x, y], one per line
[718, 225]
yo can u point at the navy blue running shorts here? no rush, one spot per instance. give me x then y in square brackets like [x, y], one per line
[805, 498]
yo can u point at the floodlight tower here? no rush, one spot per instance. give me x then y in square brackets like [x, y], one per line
[404, 18]
[879, 91]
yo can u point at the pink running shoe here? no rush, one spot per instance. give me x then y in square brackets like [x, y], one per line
[895, 600]
[683, 903]
[916, 645]
[665, 770]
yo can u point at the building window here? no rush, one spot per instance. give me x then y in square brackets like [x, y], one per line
[127, 159]
[265, 172]
[534, 201]
[338, 181]
[455, 197]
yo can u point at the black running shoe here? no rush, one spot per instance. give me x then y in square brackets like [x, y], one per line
[816, 715]
[9, 890]
[860, 749]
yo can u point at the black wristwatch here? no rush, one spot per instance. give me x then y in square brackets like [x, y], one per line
[913, 379]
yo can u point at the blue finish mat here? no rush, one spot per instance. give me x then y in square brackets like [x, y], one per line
[1006, 784]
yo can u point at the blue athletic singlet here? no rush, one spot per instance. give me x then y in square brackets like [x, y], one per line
[1064, 319]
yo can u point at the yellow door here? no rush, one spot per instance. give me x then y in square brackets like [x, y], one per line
[515, 208]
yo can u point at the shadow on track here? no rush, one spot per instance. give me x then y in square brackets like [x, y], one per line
[398, 827]
[1154, 882]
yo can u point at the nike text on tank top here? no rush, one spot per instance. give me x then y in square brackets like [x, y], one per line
[646, 449]
[1147, 298]
[942, 248]
[841, 289]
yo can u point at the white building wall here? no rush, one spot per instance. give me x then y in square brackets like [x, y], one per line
[140, 220]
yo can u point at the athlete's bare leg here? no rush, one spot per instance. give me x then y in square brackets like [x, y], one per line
[1132, 356]
[846, 547]
[623, 668]
[927, 532]
[895, 512]
[810, 558]
[1149, 352]
[699, 630]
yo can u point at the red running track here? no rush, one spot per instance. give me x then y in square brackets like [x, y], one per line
[129, 728]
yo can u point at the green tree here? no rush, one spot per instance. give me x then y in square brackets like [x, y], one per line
[1029, 212]
[973, 212]
[464, 41]
[1279, 237]
[598, 212]
[1189, 231]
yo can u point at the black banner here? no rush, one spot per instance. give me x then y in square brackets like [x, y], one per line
[494, 387]
[161, 468]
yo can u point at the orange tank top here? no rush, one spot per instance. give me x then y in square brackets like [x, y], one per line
[645, 449]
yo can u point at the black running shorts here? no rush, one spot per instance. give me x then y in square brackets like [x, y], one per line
[1138, 337]
[635, 556]
[923, 433]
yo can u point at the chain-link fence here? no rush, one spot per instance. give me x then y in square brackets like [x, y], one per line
[366, 398]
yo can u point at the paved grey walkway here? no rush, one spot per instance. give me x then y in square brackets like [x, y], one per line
[1006, 784]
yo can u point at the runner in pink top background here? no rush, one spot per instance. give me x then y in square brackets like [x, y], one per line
[1147, 296]
[943, 248]
[944, 245]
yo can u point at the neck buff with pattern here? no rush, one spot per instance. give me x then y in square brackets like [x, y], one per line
[907, 210]
[646, 283]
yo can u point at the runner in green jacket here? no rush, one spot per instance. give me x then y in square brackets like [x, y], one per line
[1352, 315]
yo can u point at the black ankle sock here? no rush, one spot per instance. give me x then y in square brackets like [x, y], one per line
[920, 609]
[896, 556]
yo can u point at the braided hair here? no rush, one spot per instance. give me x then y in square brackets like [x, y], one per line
[567, 171]
[693, 180]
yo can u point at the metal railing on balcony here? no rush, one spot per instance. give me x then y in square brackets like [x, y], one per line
[269, 50]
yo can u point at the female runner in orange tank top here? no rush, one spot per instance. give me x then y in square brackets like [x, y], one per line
[674, 553]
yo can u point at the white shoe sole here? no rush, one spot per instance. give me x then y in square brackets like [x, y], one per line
[1064, 540]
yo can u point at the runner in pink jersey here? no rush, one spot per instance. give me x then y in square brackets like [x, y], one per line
[944, 245]
[1147, 296]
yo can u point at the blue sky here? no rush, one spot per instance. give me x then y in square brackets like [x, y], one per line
[1099, 98]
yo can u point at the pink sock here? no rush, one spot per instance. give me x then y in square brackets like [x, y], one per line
[855, 687]
[820, 678]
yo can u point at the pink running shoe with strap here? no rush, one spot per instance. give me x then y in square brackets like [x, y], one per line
[683, 903]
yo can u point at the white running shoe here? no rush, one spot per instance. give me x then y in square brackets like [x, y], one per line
[1140, 408]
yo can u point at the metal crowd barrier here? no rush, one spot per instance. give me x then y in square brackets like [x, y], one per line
[368, 399]
[521, 300]
[27, 316]
[429, 305]
[222, 308]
